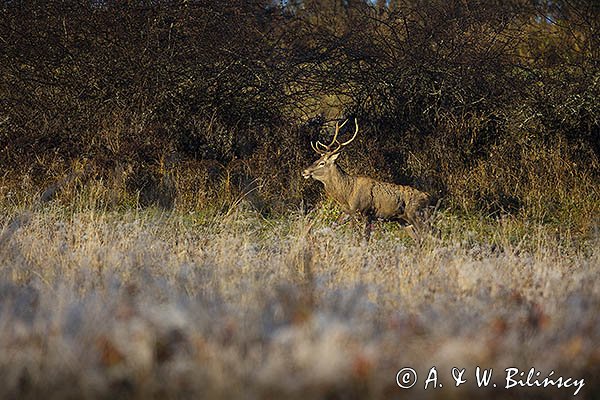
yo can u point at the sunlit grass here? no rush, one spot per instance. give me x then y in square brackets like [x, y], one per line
[148, 303]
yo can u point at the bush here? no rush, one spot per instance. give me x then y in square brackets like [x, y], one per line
[490, 105]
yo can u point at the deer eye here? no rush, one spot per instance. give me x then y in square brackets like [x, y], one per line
[321, 163]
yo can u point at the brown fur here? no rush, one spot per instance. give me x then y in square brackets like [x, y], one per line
[367, 196]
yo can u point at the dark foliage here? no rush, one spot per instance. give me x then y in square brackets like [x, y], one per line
[491, 104]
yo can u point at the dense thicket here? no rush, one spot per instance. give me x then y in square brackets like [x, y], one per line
[492, 105]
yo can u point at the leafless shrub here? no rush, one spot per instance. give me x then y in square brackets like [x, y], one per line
[443, 87]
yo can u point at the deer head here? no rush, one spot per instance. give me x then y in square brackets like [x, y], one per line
[322, 169]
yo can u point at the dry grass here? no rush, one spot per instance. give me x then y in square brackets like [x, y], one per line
[183, 305]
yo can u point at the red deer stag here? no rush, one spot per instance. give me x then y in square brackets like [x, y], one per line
[361, 195]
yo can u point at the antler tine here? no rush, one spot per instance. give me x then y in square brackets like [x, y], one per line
[343, 123]
[339, 146]
[325, 147]
[316, 149]
[355, 133]
[337, 130]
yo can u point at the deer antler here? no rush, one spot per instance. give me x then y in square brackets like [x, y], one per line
[316, 149]
[326, 148]
[354, 136]
[337, 130]
[321, 148]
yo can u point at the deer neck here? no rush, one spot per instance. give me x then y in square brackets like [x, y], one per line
[339, 185]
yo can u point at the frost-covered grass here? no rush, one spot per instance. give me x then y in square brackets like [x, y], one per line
[183, 305]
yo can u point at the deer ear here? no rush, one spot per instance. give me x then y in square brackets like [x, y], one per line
[334, 156]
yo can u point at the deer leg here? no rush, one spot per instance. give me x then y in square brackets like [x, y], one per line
[415, 228]
[412, 232]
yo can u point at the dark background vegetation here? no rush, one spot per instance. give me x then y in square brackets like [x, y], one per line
[492, 106]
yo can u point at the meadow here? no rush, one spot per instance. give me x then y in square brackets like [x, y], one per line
[145, 303]
[157, 239]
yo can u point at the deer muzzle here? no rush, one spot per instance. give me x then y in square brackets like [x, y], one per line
[306, 174]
